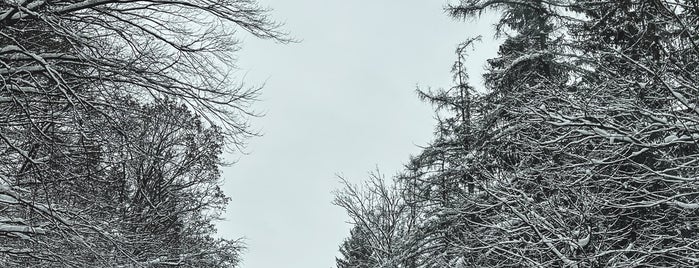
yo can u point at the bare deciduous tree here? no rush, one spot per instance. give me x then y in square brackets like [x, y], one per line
[76, 76]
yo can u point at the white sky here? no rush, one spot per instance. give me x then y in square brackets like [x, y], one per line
[340, 102]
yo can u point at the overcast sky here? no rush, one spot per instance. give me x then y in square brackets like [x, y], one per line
[342, 101]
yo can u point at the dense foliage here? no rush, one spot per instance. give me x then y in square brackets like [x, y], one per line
[581, 153]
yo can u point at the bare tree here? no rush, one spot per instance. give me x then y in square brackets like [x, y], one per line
[382, 225]
[75, 77]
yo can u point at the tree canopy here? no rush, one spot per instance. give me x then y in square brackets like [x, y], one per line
[581, 152]
[113, 117]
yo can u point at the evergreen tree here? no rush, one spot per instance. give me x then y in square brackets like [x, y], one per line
[582, 152]
[628, 162]
[356, 251]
